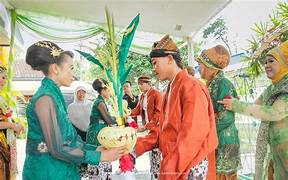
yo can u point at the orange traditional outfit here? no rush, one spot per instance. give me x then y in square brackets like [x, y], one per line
[154, 102]
[149, 107]
[187, 133]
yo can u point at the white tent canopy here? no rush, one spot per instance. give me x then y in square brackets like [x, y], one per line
[176, 17]
[179, 18]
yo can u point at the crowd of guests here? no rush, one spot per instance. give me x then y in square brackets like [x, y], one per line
[189, 129]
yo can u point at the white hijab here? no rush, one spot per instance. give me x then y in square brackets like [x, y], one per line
[79, 111]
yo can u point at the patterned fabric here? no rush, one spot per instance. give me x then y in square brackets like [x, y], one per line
[273, 110]
[232, 176]
[8, 152]
[216, 57]
[64, 149]
[104, 169]
[262, 151]
[199, 172]
[13, 160]
[101, 172]
[155, 159]
[4, 150]
[227, 152]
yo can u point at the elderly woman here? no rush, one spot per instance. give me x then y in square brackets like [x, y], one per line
[212, 62]
[272, 109]
[79, 112]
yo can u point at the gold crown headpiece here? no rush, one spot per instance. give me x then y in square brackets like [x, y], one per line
[54, 51]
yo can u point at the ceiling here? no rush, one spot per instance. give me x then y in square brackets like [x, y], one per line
[180, 18]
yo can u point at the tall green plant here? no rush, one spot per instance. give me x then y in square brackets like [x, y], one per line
[112, 60]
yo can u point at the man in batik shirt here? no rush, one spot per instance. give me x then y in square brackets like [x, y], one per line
[212, 62]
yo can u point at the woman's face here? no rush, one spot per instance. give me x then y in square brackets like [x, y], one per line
[81, 95]
[3, 79]
[106, 93]
[272, 66]
[65, 74]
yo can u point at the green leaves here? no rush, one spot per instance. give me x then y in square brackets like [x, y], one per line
[112, 63]
[124, 48]
[266, 36]
[91, 58]
[127, 40]
[282, 10]
[260, 29]
[219, 31]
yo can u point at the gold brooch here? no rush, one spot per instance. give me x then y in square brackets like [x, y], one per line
[54, 51]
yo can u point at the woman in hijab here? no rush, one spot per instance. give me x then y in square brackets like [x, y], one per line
[79, 112]
[272, 109]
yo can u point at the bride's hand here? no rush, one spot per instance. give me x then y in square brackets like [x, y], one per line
[113, 154]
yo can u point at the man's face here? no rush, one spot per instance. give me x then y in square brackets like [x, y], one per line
[161, 67]
[127, 88]
[143, 86]
[202, 70]
[206, 72]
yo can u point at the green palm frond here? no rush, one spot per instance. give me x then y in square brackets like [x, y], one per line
[91, 58]
[274, 18]
[124, 76]
[260, 29]
[111, 42]
[124, 49]
[253, 44]
[255, 68]
[282, 9]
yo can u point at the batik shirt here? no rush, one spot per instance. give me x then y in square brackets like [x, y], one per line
[227, 153]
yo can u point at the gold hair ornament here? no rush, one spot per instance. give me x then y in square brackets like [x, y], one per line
[54, 51]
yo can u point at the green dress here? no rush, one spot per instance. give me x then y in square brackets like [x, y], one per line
[53, 149]
[227, 152]
[273, 112]
[99, 119]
